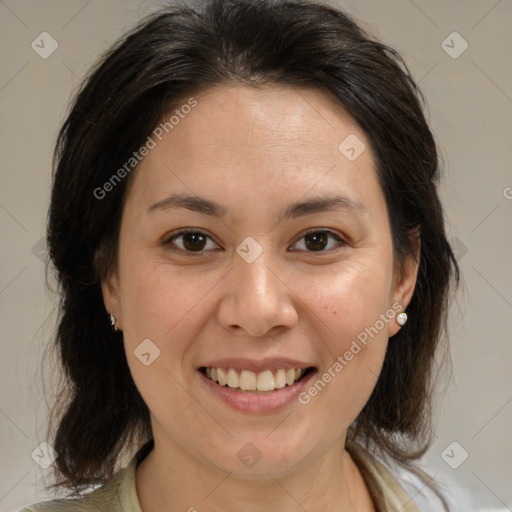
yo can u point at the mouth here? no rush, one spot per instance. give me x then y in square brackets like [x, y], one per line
[256, 383]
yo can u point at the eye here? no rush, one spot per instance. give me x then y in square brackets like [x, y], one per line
[190, 241]
[195, 241]
[318, 241]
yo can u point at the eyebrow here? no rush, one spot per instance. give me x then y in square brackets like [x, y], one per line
[294, 210]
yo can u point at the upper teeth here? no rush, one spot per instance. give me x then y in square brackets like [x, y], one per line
[247, 380]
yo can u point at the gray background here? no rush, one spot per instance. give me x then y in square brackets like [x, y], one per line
[469, 107]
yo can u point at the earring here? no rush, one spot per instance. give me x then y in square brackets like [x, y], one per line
[113, 323]
[401, 318]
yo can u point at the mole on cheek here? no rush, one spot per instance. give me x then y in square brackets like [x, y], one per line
[326, 306]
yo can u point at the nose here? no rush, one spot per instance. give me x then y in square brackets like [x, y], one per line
[257, 298]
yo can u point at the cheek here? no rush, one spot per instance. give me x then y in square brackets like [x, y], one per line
[348, 301]
[352, 314]
[164, 303]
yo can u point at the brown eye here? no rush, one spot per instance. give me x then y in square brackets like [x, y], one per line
[318, 241]
[190, 241]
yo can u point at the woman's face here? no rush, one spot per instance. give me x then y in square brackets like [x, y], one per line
[292, 268]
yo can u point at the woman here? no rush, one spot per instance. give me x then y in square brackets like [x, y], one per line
[253, 263]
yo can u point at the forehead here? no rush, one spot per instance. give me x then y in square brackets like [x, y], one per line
[263, 142]
[273, 119]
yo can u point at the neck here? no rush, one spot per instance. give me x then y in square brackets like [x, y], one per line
[173, 480]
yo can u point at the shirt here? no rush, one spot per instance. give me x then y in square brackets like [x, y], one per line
[120, 493]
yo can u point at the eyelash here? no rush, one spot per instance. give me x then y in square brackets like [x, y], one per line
[169, 241]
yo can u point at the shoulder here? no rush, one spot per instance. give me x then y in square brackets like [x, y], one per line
[401, 489]
[105, 498]
[117, 494]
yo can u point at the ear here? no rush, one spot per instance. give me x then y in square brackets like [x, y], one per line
[107, 272]
[110, 291]
[405, 279]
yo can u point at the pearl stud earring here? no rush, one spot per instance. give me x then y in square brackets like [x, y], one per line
[401, 318]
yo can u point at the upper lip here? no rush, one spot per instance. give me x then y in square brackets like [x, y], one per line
[274, 363]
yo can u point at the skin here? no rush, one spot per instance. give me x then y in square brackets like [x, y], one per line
[255, 151]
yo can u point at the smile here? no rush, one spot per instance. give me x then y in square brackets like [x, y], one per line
[247, 381]
[256, 392]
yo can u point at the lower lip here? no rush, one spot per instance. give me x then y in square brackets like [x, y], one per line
[258, 404]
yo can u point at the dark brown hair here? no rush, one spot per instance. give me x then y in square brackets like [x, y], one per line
[178, 51]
